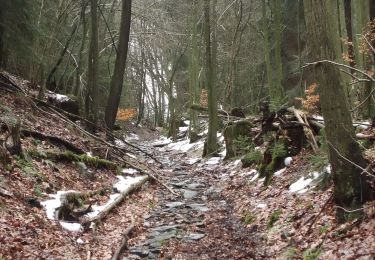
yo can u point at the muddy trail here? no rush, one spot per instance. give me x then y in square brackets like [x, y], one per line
[197, 224]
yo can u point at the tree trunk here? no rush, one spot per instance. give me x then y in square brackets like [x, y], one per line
[91, 104]
[118, 74]
[211, 145]
[77, 84]
[194, 73]
[350, 187]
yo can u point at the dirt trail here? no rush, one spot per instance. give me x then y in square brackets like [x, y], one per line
[198, 224]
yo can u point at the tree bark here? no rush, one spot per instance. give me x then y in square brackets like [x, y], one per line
[118, 74]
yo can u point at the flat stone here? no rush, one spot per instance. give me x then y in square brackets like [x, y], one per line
[199, 207]
[139, 252]
[194, 236]
[175, 204]
[189, 194]
[194, 186]
[159, 239]
[200, 225]
[179, 184]
[165, 228]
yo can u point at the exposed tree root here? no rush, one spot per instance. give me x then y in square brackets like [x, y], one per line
[53, 139]
[124, 242]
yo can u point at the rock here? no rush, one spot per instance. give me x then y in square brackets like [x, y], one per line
[139, 252]
[175, 204]
[165, 228]
[195, 186]
[179, 184]
[231, 133]
[189, 194]
[198, 207]
[194, 236]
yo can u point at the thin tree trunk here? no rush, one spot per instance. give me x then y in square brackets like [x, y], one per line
[118, 75]
[92, 105]
[77, 84]
[211, 145]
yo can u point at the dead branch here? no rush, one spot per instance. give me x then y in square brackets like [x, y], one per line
[124, 242]
[316, 63]
[205, 109]
[301, 117]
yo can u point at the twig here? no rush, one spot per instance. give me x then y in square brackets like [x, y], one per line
[340, 65]
[320, 212]
[124, 241]
[350, 211]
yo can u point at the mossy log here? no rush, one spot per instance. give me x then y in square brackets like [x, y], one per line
[72, 157]
[232, 132]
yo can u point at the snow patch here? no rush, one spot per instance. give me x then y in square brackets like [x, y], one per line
[261, 205]
[130, 171]
[126, 182]
[256, 176]
[73, 227]
[183, 129]
[301, 185]
[132, 137]
[52, 205]
[62, 98]
[185, 146]
[279, 172]
[213, 161]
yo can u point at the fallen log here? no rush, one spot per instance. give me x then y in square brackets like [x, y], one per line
[108, 208]
[72, 157]
[53, 139]
[124, 242]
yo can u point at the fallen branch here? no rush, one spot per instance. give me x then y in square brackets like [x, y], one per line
[205, 109]
[53, 139]
[301, 117]
[87, 222]
[124, 242]
[106, 131]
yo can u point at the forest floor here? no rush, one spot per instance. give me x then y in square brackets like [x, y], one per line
[219, 210]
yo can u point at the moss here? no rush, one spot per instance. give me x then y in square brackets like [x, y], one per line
[312, 254]
[248, 218]
[236, 131]
[275, 155]
[251, 158]
[273, 218]
[95, 162]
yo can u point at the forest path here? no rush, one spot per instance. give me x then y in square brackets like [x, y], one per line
[198, 224]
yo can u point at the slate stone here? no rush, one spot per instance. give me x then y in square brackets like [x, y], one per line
[175, 204]
[189, 194]
[194, 236]
[165, 228]
[199, 207]
[194, 186]
[139, 252]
